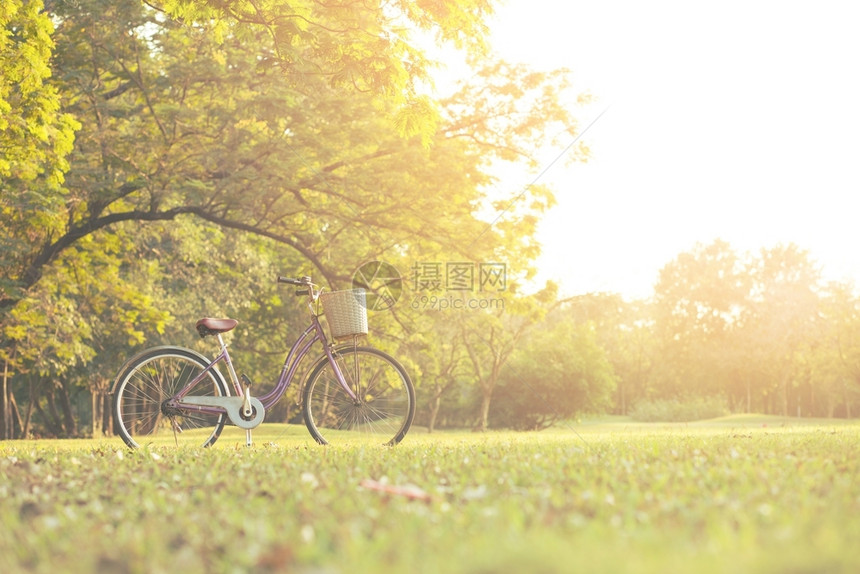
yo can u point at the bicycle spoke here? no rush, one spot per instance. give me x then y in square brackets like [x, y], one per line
[384, 405]
[151, 379]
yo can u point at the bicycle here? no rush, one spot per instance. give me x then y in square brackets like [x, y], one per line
[353, 393]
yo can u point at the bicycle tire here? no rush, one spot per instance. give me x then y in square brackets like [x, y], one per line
[143, 385]
[386, 399]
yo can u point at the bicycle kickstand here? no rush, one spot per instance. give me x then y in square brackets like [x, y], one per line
[247, 409]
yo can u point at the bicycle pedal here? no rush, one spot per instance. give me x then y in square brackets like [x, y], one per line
[246, 380]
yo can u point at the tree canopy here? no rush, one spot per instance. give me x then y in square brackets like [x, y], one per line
[195, 122]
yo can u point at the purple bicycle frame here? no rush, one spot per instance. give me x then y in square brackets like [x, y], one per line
[297, 352]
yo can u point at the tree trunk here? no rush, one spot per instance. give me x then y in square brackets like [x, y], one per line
[52, 417]
[107, 415]
[95, 408]
[483, 423]
[434, 412]
[25, 430]
[70, 425]
[14, 415]
[5, 410]
[830, 406]
[785, 396]
[101, 409]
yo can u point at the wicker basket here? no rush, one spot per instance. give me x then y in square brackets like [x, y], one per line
[346, 312]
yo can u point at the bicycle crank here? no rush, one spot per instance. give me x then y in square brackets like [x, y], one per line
[234, 407]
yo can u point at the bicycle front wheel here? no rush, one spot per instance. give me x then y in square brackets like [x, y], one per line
[143, 389]
[383, 407]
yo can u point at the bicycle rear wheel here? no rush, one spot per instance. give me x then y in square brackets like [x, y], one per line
[143, 388]
[382, 411]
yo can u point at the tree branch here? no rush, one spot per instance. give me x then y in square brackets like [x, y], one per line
[51, 250]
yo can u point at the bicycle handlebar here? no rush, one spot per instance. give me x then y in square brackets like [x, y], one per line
[307, 287]
[302, 282]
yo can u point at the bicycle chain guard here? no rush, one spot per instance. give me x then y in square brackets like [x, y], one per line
[233, 406]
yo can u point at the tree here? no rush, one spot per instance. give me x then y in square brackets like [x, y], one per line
[234, 94]
[35, 137]
[234, 141]
[625, 330]
[835, 354]
[220, 122]
[749, 328]
[698, 301]
[559, 371]
[439, 362]
[781, 317]
[367, 47]
[490, 338]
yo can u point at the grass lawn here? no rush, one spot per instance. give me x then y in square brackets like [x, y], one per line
[733, 495]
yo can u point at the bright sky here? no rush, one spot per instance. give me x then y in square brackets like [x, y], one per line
[736, 120]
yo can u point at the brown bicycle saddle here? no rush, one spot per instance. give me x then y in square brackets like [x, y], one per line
[209, 326]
